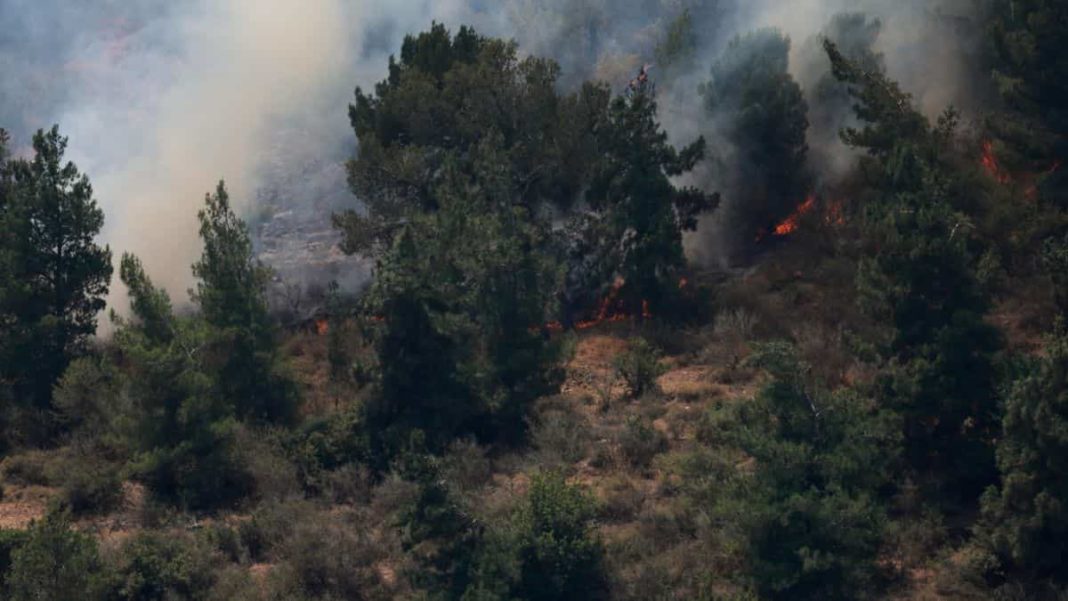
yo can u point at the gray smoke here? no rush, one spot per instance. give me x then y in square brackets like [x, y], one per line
[162, 98]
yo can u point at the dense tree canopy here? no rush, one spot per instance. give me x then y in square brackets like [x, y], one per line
[442, 98]
[512, 407]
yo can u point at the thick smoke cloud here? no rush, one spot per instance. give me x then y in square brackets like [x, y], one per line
[162, 98]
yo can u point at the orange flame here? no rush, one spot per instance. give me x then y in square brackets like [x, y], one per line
[791, 223]
[322, 327]
[990, 162]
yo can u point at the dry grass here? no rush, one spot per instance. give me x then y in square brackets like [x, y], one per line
[22, 505]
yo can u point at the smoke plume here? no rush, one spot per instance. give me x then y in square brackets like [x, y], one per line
[161, 99]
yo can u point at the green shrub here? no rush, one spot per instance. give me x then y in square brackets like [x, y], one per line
[560, 555]
[623, 500]
[57, 564]
[272, 476]
[158, 566]
[200, 473]
[270, 527]
[640, 442]
[90, 486]
[323, 445]
[228, 541]
[10, 541]
[808, 514]
[32, 468]
[639, 367]
[545, 549]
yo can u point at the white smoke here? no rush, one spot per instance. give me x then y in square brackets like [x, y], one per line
[161, 99]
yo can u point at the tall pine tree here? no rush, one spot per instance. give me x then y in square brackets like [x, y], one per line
[55, 275]
[918, 278]
[231, 294]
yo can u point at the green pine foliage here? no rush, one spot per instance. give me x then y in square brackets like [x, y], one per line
[808, 513]
[442, 99]
[918, 277]
[56, 563]
[183, 440]
[1030, 54]
[637, 214]
[54, 276]
[1026, 517]
[231, 294]
[462, 293]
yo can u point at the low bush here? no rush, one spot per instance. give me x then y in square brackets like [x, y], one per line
[560, 555]
[56, 563]
[160, 566]
[90, 486]
[623, 500]
[561, 437]
[272, 475]
[10, 541]
[639, 367]
[640, 442]
[31, 468]
[327, 557]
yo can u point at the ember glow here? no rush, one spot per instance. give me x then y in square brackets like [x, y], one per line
[322, 327]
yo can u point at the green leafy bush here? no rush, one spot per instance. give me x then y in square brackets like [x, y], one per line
[1026, 517]
[808, 514]
[560, 556]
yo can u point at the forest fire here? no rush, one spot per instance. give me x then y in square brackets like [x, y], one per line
[610, 310]
[990, 162]
[791, 223]
[322, 327]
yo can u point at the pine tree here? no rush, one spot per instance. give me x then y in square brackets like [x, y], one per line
[182, 442]
[444, 96]
[809, 514]
[751, 90]
[1030, 52]
[231, 294]
[918, 278]
[1026, 518]
[463, 293]
[637, 215]
[55, 275]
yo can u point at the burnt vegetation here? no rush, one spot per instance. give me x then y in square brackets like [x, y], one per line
[538, 396]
